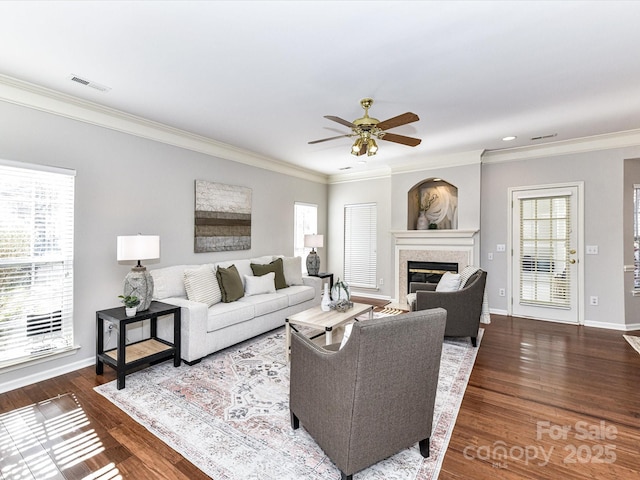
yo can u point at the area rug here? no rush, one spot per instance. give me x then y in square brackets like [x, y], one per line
[229, 414]
[633, 341]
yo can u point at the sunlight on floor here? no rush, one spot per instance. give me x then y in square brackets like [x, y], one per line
[43, 440]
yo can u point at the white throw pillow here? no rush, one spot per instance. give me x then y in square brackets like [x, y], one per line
[169, 281]
[202, 286]
[292, 267]
[347, 333]
[256, 285]
[450, 282]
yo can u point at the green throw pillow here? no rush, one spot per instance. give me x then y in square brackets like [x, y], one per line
[275, 267]
[230, 282]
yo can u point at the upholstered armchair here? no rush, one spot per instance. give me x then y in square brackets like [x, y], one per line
[464, 306]
[373, 397]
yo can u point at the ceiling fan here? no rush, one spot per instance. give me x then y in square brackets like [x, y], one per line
[367, 129]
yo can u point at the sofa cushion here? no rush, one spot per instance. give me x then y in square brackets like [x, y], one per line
[169, 281]
[257, 285]
[202, 286]
[298, 294]
[243, 266]
[230, 283]
[267, 303]
[262, 260]
[275, 267]
[292, 268]
[222, 315]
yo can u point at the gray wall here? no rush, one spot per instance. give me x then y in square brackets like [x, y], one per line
[602, 174]
[376, 191]
[127, 185]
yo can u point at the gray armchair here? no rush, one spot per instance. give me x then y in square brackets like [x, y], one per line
[464, 307]
[376, 395]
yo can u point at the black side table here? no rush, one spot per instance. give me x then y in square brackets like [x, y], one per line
[324, 275]
[125, 357]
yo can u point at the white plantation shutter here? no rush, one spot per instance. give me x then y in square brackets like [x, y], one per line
[360, 226]
[36, 261]
[545, 229]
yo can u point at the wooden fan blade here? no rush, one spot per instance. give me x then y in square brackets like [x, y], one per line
[342, 121]
[409, 141]
[330, 138]
[397, 121]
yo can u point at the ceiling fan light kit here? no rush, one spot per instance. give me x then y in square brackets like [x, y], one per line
[366, 129]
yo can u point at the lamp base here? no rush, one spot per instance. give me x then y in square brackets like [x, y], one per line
[139, 282]
[313, 263]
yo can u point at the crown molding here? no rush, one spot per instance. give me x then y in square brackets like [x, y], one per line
[607, 141]
[33, 96]
[473, 157]
[373, 174]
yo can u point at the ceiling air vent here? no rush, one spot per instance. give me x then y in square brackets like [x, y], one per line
[89, 83]
[543, 137]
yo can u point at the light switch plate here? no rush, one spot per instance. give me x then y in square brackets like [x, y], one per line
[591, 250]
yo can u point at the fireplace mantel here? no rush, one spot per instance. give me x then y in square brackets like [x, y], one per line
[460, 246]
[434, 237]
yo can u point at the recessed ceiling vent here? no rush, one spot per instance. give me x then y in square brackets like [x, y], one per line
[89, 83]
[543, 137]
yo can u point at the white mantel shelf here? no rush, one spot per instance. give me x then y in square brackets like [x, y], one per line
[434, 237]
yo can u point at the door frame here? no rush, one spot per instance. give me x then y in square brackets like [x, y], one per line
[579, 247]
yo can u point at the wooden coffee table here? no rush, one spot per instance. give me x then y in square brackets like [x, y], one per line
[325, 321]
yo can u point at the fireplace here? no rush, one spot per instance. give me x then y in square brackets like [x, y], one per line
[457, 247]
[429, 272]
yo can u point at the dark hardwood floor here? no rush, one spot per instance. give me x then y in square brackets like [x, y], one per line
[544, 401]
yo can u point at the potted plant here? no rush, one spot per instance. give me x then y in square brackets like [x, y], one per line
[131, 303]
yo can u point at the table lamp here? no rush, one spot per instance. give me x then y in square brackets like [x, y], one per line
[138, 281]
[313, 259]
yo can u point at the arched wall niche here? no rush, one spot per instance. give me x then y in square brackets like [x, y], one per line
[432, 204]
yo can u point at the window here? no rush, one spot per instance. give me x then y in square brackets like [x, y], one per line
[545, 227]
[36, 261]
[360, 259]
[305, 223]
[636, 237]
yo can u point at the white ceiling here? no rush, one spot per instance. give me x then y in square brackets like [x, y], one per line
[261, 75]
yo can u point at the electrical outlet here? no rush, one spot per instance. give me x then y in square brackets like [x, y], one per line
[592, 250]
[593, 300]
[490, 255]
[501, 247]
[502, 292]
[382, 281]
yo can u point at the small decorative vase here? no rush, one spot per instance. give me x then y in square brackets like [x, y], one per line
[340, 291]
[325, 304]
[423, 223]
[433, 226]
[130, 311]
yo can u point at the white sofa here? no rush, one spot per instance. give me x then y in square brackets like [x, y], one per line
[206, 329]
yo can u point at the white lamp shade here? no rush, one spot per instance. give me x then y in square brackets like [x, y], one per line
[138, 247]
[313, 241]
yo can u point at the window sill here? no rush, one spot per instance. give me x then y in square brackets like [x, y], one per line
[22, 362]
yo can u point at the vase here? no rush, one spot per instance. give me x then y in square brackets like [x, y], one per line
[340, 291]
[325, 304]
[423, 223]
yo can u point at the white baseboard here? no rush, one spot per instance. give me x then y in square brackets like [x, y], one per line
[612, 326]
[498, 311]
[46, 374]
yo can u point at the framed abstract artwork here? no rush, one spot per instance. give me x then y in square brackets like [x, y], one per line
[222, 217]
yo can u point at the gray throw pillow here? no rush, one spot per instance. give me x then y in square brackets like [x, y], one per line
[230, 283]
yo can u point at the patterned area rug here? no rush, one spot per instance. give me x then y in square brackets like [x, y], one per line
[229, 414]
[633, 341]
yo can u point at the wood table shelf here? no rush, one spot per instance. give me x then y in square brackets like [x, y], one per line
[125, 357]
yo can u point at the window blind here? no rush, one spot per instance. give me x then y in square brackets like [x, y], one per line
[36, 261]
[360, 256]
[544, 251]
